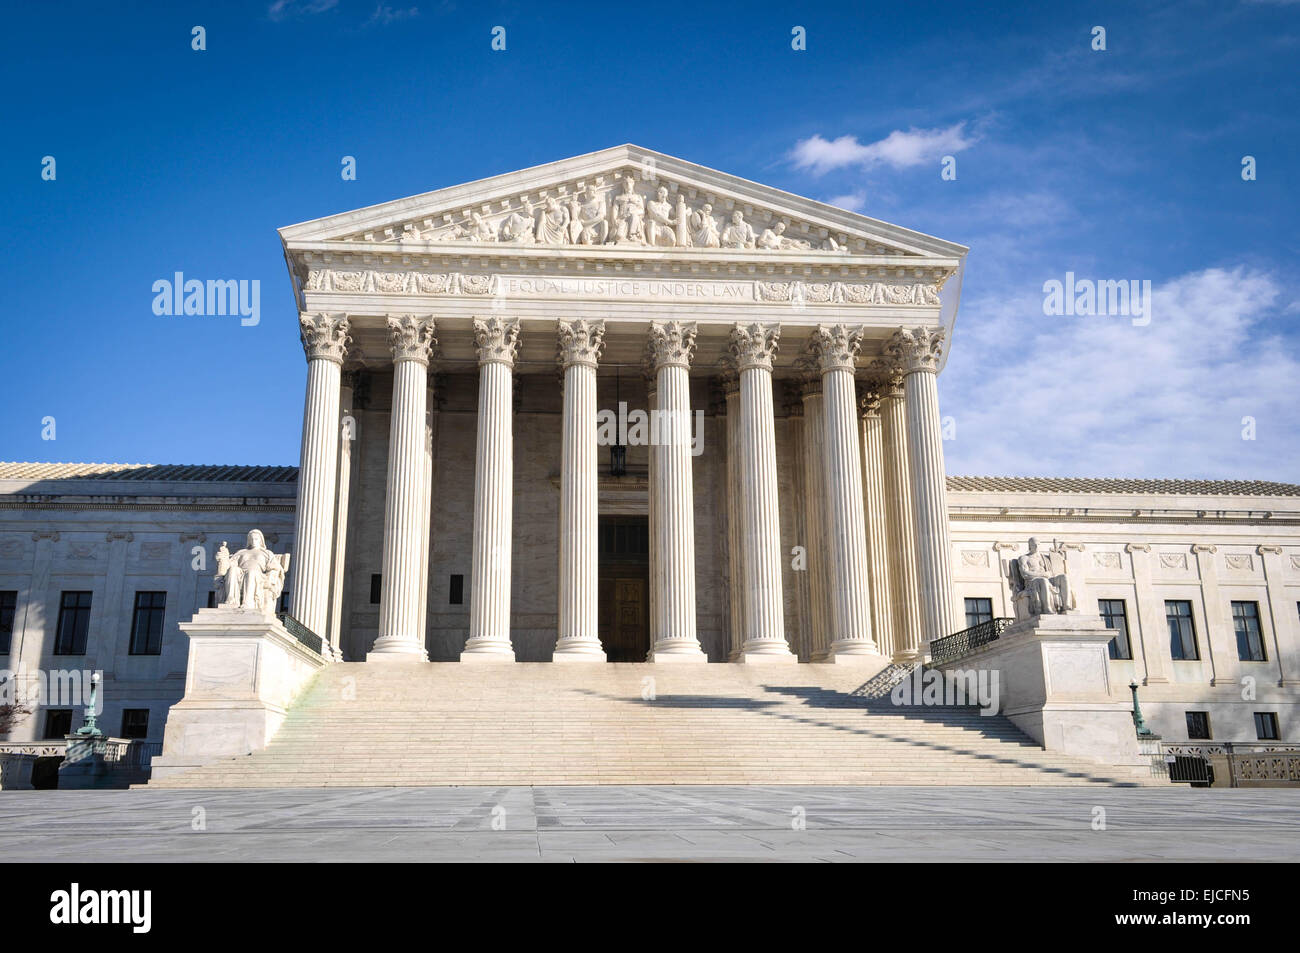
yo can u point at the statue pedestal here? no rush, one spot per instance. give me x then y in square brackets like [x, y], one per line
[84, 766]
[244, 671]
[1054, 682]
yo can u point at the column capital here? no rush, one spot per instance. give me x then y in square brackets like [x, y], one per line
[1266, 550]
[410, 336]
[754, 345]
[125, 537]
[1137, 548]
[324, 336]
[497, 341]
[835, 346]
[1204, 548]
[580, 342]
[809, 375]
[728, 376]
[916, 349]
[884, 376]
[671, 343]
[870, 395]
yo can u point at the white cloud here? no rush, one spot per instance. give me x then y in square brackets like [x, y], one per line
[1097, 396]
[284, 9]
[385, 14]
[899, 149]
[854, 201]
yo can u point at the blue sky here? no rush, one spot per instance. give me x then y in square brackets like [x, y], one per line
[1115, 164]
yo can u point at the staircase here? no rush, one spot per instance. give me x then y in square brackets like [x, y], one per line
[413, 723]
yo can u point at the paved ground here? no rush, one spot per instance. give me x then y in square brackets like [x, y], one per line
[652, 823]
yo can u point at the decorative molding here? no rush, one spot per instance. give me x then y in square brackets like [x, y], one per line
[1137, 548]
[1204, 548]
[155, 550]
[1107, 560]
[45, 534]
[1173, 560]
[1265, 549]
[1242, 561]
[975, 557]
[118, 534]
[1006, 547]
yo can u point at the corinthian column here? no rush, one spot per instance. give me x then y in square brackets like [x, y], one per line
[814, 505]
[578, 639]
[406, 506]
[904, 594]
[873, 493]
[836, 348]
[673, 634]
[752, 348]
[347, 435]
[735, 535]
[324, 339]
[917, 351]
[489, 601]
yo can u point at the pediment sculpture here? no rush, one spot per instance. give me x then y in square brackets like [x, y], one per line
[252, 578]
[1040, 583]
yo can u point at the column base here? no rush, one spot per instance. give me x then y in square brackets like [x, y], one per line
[488, 650]
[397, 650]
[687, 650]
[578, 650]
[851, 650]
[762, 653]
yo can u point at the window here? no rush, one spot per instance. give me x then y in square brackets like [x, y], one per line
[8, 604]
[1115, 617]
[376, 587]
[1245, 619]
[58, 722]
[74, 624]
[456, 591]
[147, 623]
[1266, 726]
[1182, 634]
[978, 610]
[1198, 725]
[212, 599]
[135, 723]
[282, 606]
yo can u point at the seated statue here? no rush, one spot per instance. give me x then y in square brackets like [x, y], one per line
[252, 578]
[517, 228]
[589, 218]
[1039, 584]
[629, 216]
[739, 234]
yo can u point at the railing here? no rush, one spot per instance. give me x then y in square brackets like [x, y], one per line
[1249, 763]
[131, 753]
[954, 646]
[300, 632]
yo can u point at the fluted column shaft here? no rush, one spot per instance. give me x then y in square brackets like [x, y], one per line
[918, 351]
[814, 500]
[489, 600]
[673, 631]
[874, 496]
[406, 506]
[752, 347]
[338, 584]
[904, 591]
[578, 638]
[426, 530]
[324, 338]
[735, 533]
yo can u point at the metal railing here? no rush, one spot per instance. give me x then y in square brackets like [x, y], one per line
[1249, 763]
[954, 646]
[300, 632]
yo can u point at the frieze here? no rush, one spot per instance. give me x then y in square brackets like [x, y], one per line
[795, 293]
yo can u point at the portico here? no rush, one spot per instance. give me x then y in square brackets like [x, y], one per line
[480, 351]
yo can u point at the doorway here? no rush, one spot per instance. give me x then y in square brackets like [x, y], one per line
[624, 589]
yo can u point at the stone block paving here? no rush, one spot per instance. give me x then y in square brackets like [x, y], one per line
[647, 823]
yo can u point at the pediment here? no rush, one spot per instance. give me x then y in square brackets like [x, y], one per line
[624, 200]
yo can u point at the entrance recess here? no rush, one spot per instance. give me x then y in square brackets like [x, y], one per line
[625, 588]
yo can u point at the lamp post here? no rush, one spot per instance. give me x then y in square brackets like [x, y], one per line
[1138, 722]
[90, 729]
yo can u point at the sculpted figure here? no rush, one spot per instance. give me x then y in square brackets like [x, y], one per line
[660, 226]
[553, 223]
[476, 229]
[704, 228]
[252, 578]
[629, 215]
[409, 233]
[1039, 585]
[590, 219]
[774, 238]
[739, 234]
[517, 228]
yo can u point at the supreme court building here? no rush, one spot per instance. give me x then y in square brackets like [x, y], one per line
[625, 408]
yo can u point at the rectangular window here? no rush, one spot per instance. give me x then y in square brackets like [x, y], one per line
[147, 623]
[74, 624]
[282, 606]
[212, 599]
[376, 587]
[1198, 725]
[978, 610]
[8, 605]
[456, 590]
[58, 722]
[1114, 615]
[135, 723]
[1245, 620]
[1266, 726]
[1182, 634]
